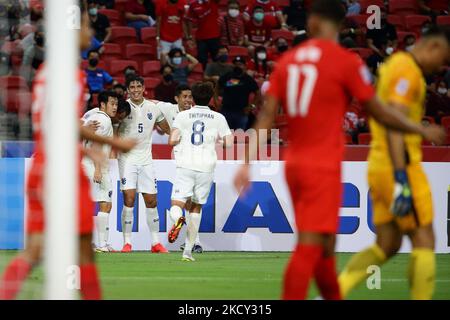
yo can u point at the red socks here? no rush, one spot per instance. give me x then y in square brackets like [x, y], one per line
[90, 287]
[300, 270]
[13, 277]
[326, 278]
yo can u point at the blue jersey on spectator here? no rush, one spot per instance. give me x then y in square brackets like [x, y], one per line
[96, 79]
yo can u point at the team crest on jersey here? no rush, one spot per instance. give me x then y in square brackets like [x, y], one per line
[110, 193]
[124, 181]
[149, 116]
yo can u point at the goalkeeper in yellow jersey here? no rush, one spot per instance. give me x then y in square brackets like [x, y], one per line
[399, 189]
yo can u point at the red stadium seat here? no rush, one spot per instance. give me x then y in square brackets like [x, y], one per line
[348, 138]
[123, 36]
[148, 36]
[364, 138]
[397, 21]
[283, 3]
[114, 16]
[116, 67]
[443, 20]
[120, 80]
[235, 51]
[197, 72]
[140, 52]
[281, 33]
[360, 20]
[364, 53]
[414, 23]
[403, 7]
[13, 82]
[112, 51]
[366, 3]
[151, 69]
[445, 122]
[151, 83]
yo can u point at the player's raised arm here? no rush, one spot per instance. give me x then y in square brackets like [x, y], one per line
[164, 126]
[175, 137]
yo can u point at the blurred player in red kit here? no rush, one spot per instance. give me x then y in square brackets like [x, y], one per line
[21, 266]
[314, 82]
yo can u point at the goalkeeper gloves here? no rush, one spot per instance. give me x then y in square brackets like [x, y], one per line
[402, 200]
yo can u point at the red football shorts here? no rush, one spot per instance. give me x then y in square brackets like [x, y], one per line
[35, 217]
[316, 198]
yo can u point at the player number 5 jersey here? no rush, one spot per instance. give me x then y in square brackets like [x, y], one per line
[200, 128]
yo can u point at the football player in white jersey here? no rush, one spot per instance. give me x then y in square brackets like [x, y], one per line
[195, 133]
[98, 173]
[183, 97]
[136, 166]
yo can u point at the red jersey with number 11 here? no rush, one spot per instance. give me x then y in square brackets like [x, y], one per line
[314, 83]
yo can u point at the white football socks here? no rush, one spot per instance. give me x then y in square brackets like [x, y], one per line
[127, 224]
[192, 232]
[188, 216]
[102, 222]
[175, 213]
[153, 224]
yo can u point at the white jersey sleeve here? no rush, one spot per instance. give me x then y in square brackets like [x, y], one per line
[169, 110]
[224, 129]
[87, 116]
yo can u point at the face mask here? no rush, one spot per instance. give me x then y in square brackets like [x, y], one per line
[129, 72]
[261, 55]
[93, 62]
[259, 16]
[409, 48]
[282, 48]
[177, 60]
[424, 30]
[233, 13]
[93, 11]
[39, 40]
[223, 58]
[442, 91]
[168, 78]
[389, 50]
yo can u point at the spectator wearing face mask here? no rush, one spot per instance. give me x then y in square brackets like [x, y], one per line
[410, 40]
[219, 67]
[232, 28]
[99, 23]
[281, 46]
[295, 15]
[97, 79]
[171, 24]
[259, 66]
[272, 13]
[236, 87]
[165, 91]
[387, 36]
[182, 64]
[33, 56]
[257, 32]
[438, 103]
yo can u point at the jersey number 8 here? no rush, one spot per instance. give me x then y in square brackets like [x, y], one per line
[197, 133]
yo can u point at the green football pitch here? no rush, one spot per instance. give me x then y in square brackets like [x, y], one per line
[223, 275]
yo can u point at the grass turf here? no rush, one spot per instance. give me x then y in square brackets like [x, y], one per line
[223, 275]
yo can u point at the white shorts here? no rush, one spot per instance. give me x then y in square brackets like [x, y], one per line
[100, 192]
[139, 177]
[192, 184]
[166, 46]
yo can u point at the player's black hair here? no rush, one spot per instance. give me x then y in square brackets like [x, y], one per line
[180, 88]
[133, 78]
[233, 2]
[105, 95]
[438, 31]
[331, 10]
[202, 93]
[173, 51]
[123, 106]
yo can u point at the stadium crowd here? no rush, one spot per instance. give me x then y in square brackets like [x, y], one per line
[232, 43]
